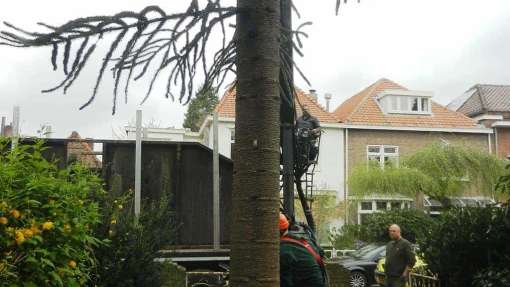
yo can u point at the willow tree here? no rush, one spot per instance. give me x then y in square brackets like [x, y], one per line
[151, 44]
[439, 171]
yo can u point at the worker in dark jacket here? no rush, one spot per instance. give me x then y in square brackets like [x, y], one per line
[308, 125]
[300, 264]
[400, 258]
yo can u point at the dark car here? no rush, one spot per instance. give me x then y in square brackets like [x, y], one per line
[362, 264]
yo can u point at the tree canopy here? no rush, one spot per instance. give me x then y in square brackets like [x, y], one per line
[199, 107]
[436, 170]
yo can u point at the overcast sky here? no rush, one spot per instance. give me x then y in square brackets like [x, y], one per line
[433, 45]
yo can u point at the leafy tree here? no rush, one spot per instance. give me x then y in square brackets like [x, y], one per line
[198, 109]
[438, 171]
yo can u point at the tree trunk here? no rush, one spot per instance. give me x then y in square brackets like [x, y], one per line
[255, 237]
[418, 201]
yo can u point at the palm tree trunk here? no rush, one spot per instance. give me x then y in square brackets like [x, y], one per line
[255, 237]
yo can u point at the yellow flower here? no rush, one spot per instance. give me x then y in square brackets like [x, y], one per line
[72, 264]
[67, 227]
[4, 220]
[110, 232]
[20, 238]
[28, 233]
[3, 205]
[120, 206]
[48, 225]
[15, 213]
[35, 230]
[114, 221]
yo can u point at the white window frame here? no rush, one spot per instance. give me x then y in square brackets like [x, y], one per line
[409, 105]
[382, 154]
[404, 204]
[385, 99]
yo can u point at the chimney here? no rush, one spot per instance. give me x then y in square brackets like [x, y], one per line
[90, 143]
[327, 96]
[2, 127]
[313, 94]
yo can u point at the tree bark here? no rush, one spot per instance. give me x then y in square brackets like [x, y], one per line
[255, 236]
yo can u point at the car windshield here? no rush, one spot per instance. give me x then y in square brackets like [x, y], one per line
[367, 252]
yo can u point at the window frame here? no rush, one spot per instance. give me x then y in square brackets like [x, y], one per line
[381, 154]
[407, 102]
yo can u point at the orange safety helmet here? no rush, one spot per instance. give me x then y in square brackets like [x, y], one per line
[284, 223]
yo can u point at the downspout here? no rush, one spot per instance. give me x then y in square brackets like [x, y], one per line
[496, 143]
[490, 144]
[346, 173]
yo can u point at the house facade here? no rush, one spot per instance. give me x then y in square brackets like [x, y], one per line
[386, 121]
[329, 175]
[489, 106]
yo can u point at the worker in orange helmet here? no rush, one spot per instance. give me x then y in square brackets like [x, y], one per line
[300, 263]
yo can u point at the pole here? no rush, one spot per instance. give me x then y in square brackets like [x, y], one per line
[138, 163]
[287, 112]
[216, 184]
[15, 126]
[2, 127]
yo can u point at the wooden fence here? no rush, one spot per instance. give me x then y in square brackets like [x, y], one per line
[418, 280]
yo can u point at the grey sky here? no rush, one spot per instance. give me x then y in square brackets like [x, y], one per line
[435, 45]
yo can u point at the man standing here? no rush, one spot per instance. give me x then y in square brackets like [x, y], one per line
[300, 263]
[400, 258]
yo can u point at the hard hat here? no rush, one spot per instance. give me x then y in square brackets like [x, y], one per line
[284, 223]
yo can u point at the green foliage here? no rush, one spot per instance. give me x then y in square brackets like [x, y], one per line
[366, 180]
[453, 168]
[467, 241]
[503, 185]
[199, 107]
[437, 170]
[414, 225]
[492, 278]
[129, 258]
[347, 237]
[47, 218]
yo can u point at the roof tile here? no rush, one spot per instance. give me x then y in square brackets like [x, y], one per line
[226, 106]
[362, 109]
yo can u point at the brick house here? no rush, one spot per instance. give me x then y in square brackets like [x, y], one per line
[489, 105]
[386, 121]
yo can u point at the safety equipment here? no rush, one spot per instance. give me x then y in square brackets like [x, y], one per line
[284, 223]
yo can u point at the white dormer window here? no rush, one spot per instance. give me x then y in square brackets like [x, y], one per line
[405, 102]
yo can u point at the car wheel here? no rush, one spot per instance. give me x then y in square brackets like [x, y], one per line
[357, 279]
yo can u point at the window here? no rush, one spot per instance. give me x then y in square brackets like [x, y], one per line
[381, 205]
[382, 156]
[368, 207]
[232, 136]
[405, 104]
[396, 205]
[414, 104]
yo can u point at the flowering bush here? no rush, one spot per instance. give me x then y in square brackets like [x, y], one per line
[47, 217]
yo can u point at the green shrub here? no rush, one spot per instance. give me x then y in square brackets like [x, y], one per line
[492, 278]
[129, 258]
[346, 237]
[47, 218]
[467, 241]
[413, 223]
